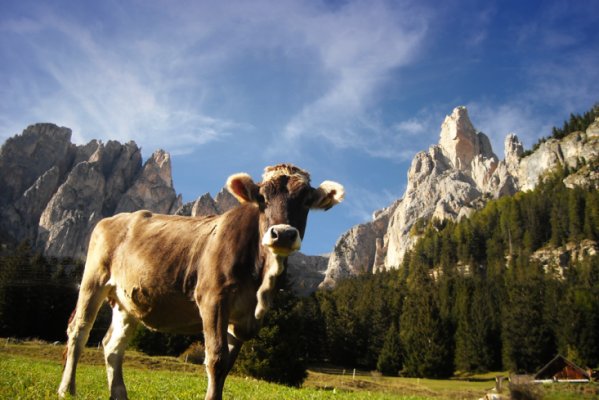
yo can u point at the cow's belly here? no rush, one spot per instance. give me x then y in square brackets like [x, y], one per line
[171, 312]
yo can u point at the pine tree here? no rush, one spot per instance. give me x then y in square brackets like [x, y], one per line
[527, 338]
[427, 347]
[278, 353]
[389, 360]
[578, 322]
[477, 339]
[576, 209]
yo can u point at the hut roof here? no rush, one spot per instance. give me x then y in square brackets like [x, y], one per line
[560, 368]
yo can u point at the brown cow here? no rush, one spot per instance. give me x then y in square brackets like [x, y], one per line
[185, 275]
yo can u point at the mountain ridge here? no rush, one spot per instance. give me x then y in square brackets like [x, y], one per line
[53, 191]
[451, 180]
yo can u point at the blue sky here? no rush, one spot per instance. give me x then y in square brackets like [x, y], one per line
[349, 90]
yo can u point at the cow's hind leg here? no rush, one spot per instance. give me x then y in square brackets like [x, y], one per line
[91, 297]
[115, 342]
[215, 320]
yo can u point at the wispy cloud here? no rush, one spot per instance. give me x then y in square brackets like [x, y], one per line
[104, 90]
[139, 83]
[360, 54]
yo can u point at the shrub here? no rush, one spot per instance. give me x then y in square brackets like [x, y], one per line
[194, 354]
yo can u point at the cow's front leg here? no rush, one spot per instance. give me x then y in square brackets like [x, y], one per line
[214, 312]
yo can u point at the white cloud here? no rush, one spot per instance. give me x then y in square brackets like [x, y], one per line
[411, 127]
[111, 88]
[360, 45]
[161, 86]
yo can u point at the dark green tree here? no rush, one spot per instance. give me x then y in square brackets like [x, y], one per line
[528, 341]
[278, 353]
[161, 344]
[389, 360]
[578, 320]
[427, 346]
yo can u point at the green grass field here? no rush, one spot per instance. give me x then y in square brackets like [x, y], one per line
[32, 370]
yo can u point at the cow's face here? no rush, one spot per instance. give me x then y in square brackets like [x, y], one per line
[284, 198]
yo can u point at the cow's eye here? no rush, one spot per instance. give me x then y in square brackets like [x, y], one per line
[261, 200]
[308, 200]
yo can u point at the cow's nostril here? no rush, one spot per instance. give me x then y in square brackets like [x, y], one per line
[273, 234]
[291, 234]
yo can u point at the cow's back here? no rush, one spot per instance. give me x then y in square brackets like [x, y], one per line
[152, 262]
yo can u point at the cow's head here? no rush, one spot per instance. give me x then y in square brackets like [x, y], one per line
[284, 198]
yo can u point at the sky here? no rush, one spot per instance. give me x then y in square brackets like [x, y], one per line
[348, 90]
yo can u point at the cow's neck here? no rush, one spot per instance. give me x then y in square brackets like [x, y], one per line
[273, 267]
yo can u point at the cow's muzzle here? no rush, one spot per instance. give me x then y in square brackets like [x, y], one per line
[282, 239]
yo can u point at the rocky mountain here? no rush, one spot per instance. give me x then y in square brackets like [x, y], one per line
[206, 205]
[361, 249]
[53, 191]
[450, 181]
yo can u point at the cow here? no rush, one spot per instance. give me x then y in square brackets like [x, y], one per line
[189, 275]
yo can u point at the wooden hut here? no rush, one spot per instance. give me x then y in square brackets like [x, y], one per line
[561, 369]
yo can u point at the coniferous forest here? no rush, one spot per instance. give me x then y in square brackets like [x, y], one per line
[482, 294]
[471, 296]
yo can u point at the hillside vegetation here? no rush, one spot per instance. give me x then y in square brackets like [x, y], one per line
[471, 296]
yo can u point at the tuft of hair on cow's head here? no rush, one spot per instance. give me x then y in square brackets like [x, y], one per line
[284, 198]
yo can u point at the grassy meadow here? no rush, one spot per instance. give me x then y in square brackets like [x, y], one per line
[31, 370]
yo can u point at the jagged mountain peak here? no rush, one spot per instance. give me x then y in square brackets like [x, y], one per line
[460, 142]
[53, 191]
[450, 181]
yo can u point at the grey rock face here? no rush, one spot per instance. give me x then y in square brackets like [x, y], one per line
[453, 179]
[306, 272]
[444, 183]
[153, 188]
[572, 151]
[555, 260]
[206, 205]
[66, 223]
[359, 250]
[25, 157]
[53, 192]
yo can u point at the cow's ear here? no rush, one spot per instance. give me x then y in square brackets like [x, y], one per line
[327, 195]
[242, 187]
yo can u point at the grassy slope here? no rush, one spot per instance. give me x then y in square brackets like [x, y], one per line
[32, 371]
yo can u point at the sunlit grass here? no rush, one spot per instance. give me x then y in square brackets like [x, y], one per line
[32, 370]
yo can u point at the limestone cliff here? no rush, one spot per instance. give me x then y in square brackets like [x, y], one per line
[450, 181]
[359, 250]
[447, 182]
[52, 192]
